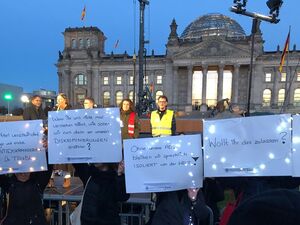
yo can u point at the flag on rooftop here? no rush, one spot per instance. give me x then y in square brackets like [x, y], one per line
[83, 13]
[117, 43]
[284, 52]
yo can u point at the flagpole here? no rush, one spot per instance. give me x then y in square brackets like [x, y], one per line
[287, 78]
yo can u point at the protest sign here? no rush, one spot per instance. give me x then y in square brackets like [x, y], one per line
[21, 147]
[296, 146]
[163, 164]
[251, 146]
[84, 135]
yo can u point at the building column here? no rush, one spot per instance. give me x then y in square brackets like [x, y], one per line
[125, 85]
[235, 83]
[95, 87]
[60, 80]
[204, 81]
[112, 88]
[89, 83]
[274, 91]
[220, 82]
[190, 85]
[289, 94]
[175, 85]
[67, 85]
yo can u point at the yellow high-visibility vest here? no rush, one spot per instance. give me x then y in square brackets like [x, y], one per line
[163, 126]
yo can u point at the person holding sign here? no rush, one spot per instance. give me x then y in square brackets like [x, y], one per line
[162, 120]
[185, 207]
[62, 102]
[88, 103]
[34, 111]
[104, 189]
[24, 202]
[130, 124]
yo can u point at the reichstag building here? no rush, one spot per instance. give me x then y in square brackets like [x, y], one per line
[209, 61]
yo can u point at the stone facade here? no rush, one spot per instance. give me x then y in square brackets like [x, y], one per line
[222, 56]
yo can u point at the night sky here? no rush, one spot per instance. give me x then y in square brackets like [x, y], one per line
[31, 31]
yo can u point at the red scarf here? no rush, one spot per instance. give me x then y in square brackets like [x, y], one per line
[131, 124]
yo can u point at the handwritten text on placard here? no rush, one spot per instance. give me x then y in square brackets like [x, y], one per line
[252, 146]
[77, 136]
[163, 164]
[21, 148]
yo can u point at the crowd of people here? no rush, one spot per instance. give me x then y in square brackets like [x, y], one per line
[105, 182]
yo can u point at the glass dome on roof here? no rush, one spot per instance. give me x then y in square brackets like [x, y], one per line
[213, 25]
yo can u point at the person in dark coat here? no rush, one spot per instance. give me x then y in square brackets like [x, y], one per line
[213, 193]
[25, 195]
[103, 191]
[183, 207]
[275, 207]
[34, 111]
[89, 103]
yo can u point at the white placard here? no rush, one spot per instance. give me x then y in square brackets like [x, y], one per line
[251, 146]
[82, 136]
[21, 148]
[296, 146]
[163, 164]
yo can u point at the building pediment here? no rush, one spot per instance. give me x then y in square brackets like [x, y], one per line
[213, 48]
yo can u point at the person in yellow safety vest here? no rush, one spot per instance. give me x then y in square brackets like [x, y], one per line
[162, 120]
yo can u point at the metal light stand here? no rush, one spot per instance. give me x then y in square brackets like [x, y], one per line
[239, 8]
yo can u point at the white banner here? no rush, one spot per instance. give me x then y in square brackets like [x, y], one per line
[82, 136]
[163, 164]
[296, 146]
[21, 148]
[251, 146]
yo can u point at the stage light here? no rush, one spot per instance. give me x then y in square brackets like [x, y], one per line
[274, 6]
[240, 6]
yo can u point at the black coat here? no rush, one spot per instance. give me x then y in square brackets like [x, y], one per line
[103, 193]
[31, 113]
[174, 208]
[25, 199]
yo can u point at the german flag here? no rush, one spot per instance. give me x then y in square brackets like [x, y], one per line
[83, 13]
[284, 52]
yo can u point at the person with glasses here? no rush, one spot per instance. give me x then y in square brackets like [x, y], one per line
[162, 120]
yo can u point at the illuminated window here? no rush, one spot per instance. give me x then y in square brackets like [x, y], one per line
[212, 87]
[119, 80]
[268, 77]
[80, 98]
[283, 77]
[130, 96]
[131, 80]
[281, 95]
[298, 76]
[159, 79]
[297, 97]
[227, 84]
[106, 99]
[157, 94]
[80, 80]
[266, 98]
[119, 97]
[105, 81]
[197, 88]
[146, 79]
